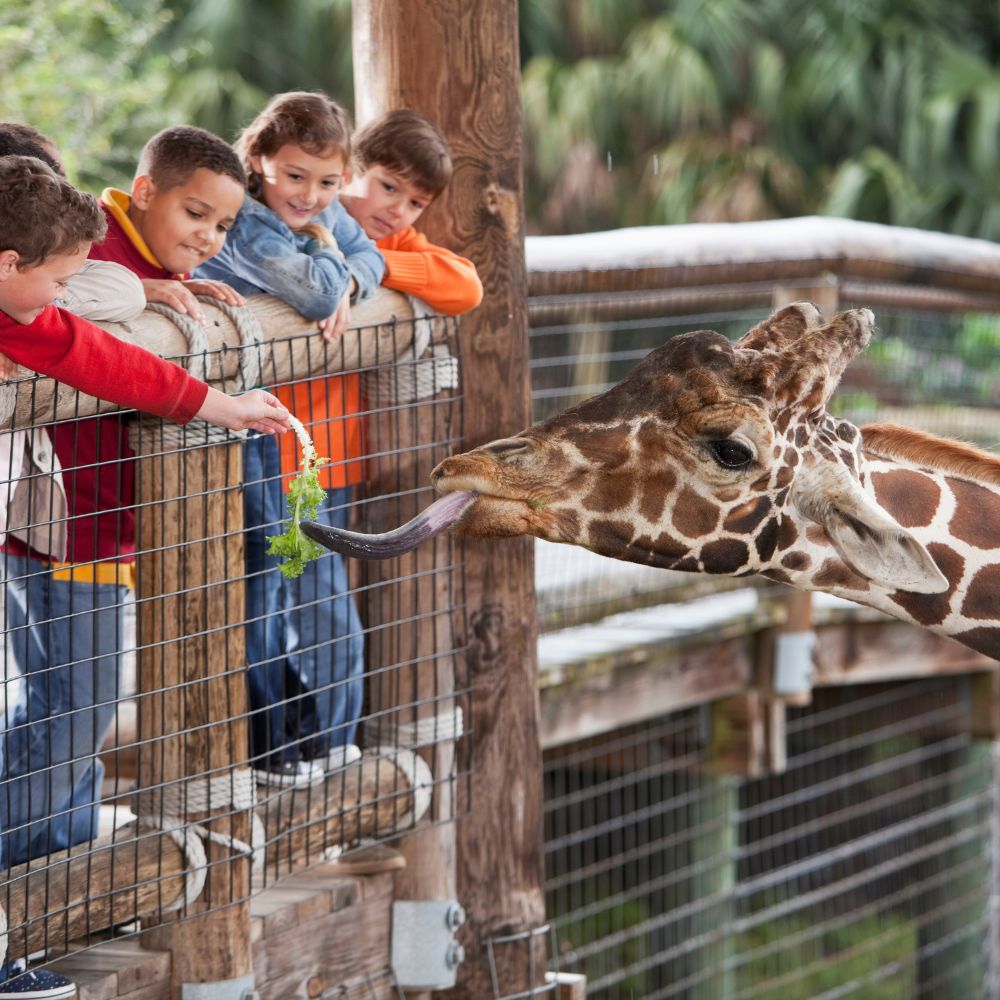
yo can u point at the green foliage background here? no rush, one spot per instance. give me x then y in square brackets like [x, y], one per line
[636, 111]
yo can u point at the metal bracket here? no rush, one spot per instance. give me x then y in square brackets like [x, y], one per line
[425, 954]
[793, 662]
[243, 988]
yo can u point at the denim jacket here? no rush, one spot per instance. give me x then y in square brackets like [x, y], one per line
[264, 255]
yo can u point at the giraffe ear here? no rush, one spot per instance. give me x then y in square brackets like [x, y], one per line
[865, 536]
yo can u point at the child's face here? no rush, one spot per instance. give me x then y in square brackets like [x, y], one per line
[298, 185]
[384, 202]
[186, 225]
[25, 293]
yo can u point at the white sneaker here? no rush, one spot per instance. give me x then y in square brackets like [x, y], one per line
[340, 757]
[294, 774]
[41, 985]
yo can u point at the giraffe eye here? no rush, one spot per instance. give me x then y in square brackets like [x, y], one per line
[730, 454]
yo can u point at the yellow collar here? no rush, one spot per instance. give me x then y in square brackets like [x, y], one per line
[118, 203]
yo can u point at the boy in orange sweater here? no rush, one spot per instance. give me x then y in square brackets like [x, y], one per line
[402, 164]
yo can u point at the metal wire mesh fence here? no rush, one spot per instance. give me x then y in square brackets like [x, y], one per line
[186, 724]
[865, 865]
[866, 869]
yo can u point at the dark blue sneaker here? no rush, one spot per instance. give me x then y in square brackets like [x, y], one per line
[40, 985]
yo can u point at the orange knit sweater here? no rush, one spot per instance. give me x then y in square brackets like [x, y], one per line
[330, 406]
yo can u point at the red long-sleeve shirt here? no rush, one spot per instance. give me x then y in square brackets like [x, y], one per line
[98, 472]
[79, 354]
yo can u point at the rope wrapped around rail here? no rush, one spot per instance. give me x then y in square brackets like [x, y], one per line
[164, 808]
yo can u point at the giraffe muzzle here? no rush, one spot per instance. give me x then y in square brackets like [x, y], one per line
[440, 516]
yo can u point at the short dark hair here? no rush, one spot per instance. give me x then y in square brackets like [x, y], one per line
[33, 143]
[42, 214]
[300, 118]
[12, 145]
[174, 154]
[409, 144]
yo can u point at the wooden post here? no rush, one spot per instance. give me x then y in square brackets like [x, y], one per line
[457, 61]
[192, 683]
[410, 639]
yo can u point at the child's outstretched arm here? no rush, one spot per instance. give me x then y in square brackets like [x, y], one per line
[77, 353]
[255, 410]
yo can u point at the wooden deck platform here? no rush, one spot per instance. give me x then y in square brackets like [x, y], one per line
[316, 933]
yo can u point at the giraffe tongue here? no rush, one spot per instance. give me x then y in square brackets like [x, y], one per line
[440, 516]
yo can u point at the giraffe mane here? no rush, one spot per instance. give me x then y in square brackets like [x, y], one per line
[965, 460]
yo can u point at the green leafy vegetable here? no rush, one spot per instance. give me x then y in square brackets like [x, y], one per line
[304, 498]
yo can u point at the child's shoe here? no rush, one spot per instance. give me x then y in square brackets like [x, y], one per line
[40, 985]
[292, 774]
[339, 757]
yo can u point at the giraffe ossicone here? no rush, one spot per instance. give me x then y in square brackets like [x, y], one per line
[719, 457]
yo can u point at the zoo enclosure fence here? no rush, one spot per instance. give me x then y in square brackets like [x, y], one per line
[667, 876]
[129, 797]
[853, 851]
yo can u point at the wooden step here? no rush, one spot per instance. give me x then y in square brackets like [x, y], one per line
[312, 933]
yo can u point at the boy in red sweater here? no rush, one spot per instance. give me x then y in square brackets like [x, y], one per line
[46, 230]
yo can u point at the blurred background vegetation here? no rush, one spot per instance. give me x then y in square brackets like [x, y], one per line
[636, 111]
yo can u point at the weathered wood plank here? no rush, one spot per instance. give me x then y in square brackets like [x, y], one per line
[301, 962]
[192, 702]
[642, 684]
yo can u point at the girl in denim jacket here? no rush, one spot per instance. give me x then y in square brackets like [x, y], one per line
[292, 239]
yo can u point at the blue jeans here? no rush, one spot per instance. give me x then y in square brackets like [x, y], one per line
[325, 639]
[66, 638]
[304, 663]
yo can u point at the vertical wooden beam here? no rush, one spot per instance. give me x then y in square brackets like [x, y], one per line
[410, 635]
[192, 685]
[458, 62]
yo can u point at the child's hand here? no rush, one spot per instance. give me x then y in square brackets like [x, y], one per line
[175, 294]
[8, 368]
[216, 290]
[255, 410]
[336, 324]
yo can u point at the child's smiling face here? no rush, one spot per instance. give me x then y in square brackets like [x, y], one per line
[298, 185]
[25, 292]
[185, 225]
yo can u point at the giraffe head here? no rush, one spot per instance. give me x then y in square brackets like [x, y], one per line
[710, 457]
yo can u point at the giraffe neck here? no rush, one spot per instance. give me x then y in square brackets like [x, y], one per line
[953, 508]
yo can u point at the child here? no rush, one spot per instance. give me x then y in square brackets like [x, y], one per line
[293, 240]
[402, 164]
[100, 291]
[46, 228]
[66, 618]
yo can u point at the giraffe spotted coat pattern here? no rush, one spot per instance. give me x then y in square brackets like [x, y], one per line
[714, 457]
